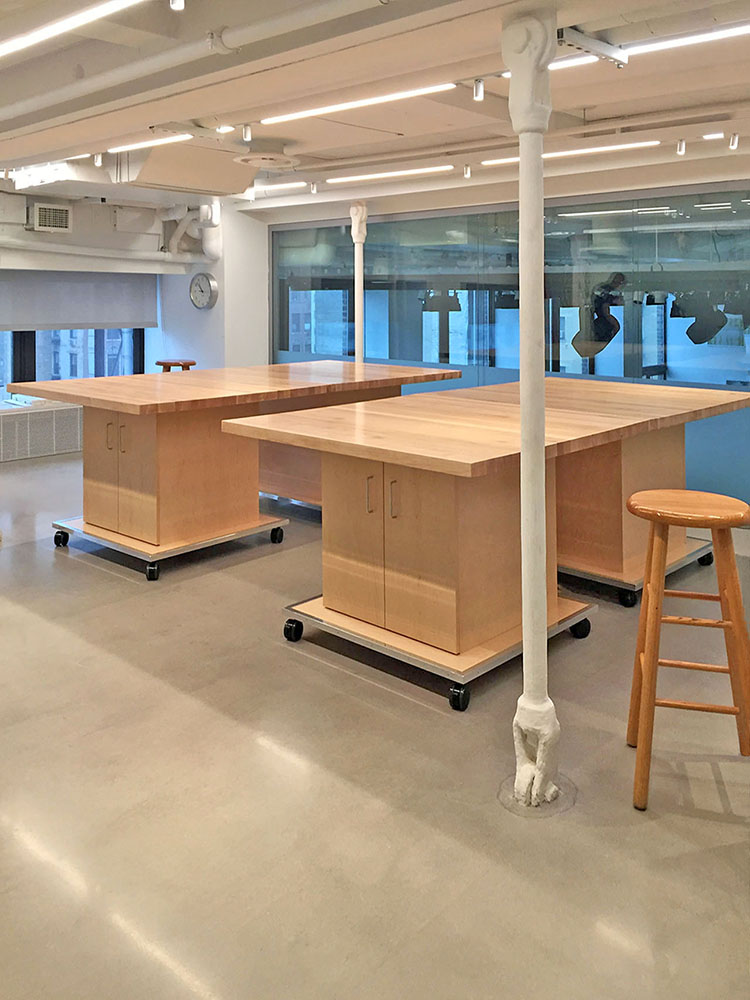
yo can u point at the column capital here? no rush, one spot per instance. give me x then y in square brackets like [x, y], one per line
[528, 45]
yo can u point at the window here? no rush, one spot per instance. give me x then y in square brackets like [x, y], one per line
[6, 362]
[40, 355]
[640, 289]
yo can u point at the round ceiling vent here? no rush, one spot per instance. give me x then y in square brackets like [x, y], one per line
[267, 154]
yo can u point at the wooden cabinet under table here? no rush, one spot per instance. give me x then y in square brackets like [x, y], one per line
[424, 554]
[160, 478]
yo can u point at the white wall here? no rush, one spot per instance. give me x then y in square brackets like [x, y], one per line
[236, 330]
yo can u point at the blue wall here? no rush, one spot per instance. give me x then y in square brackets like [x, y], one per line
[717, 454]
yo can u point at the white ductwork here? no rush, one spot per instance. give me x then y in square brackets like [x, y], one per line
[73, 250]
[223, 42]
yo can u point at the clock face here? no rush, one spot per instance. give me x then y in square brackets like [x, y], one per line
[204, 291]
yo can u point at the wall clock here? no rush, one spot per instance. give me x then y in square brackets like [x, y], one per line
[204, 290]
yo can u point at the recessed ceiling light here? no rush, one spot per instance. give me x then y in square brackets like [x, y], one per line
[586, 151]
[286, 186]
[734, 140]
[678, 43]
[330, 109]
[681, 147]
[151, 142]
[467, 171]
[714, 135]
[177, 4]
[479, 90]
[387, 174]
[225, 129]
[63, 25]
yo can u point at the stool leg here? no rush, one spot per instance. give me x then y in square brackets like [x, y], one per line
[650, 665]
[736, 637]
[635, 690]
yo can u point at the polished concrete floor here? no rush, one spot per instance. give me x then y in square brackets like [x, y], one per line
[190, 807]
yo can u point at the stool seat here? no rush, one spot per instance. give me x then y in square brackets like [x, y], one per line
[689, 508]
[184, 363]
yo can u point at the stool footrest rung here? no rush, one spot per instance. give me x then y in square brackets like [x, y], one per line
[697, 706]
[712, 668]
[692, 595]
[700, 622]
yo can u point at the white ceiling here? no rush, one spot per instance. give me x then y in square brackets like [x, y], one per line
[88, 92]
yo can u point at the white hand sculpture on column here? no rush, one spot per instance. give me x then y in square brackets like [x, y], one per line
[528, 44]
[358, 212]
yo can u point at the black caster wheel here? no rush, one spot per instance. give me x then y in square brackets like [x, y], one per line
[293, 629]
[152, 571]
[459, 697]
[61, 539]
[277, 535]
[628, 598]
[706, 559]
[581, 629]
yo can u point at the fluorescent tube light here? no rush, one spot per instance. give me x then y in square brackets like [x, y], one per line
[613, 211]
[386, 175]
[572, 61]
[350, 105]
[79, 156]
[714, 135]
[590, 150]
[286, 186]
[586, 151]
[502, 162]
[566, 63]
[714, 204]
[225, 129]
[677, 43]
[63, 25]
[714, 208]
[151, 142]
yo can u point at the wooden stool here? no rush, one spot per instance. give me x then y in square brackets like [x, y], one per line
[184, 363]
[687, 508]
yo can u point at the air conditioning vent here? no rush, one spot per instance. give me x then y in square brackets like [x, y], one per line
[52, 218]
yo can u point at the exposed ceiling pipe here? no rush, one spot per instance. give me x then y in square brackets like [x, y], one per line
[202, 224]
[14, 243]
[220, 42]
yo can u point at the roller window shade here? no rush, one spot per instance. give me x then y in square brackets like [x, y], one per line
[64, 300]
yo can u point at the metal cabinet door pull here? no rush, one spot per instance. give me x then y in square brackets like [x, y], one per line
[368, 499]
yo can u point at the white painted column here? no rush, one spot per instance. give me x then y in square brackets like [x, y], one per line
[358, 212]
[528, 44]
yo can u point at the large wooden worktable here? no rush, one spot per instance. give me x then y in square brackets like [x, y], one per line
[421, 503]
[160, 477]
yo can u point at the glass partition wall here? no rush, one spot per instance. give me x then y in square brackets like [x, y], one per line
[654, 288]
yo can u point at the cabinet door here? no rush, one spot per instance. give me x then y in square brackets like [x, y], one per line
[353, 581]
[421, 556]
[138, 507]
[100, 467]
